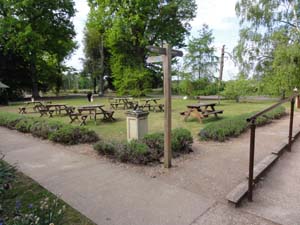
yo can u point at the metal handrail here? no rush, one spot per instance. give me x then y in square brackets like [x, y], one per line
[252, 121]
[272, 107]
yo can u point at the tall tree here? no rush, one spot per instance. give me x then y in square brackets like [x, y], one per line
[270, 32]
[128, 26]
[200, 57]
[38, 31]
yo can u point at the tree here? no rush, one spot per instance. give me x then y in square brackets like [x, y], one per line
[201, 58]
[40, 32]
[234, 89]
[128, 26]
[270, 31]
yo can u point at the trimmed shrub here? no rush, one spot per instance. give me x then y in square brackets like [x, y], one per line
[155, 141]
[234, 126]
[53, 130]
[138, 152]
[135, 151]
[24, 125]
[73, 135]
[9, 120]
[181, 140]
[43, 129]
[106, 148]
[148, 150]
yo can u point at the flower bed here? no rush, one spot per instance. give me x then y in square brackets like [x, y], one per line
[52, 130]
[148, 150]
[234, 126]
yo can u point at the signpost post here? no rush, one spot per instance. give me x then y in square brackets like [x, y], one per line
[166, 54]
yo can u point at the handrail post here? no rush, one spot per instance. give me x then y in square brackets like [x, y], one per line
[291, 124]
[251, 158]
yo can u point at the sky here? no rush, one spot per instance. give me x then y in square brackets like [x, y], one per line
[219, 15]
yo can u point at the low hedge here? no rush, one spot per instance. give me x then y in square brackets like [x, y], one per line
[148, 150]
[232, 127]
[52, 130]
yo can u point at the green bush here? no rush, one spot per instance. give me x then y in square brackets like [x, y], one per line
[73, 135]
[43, 129]
[24, 125]
[234, 126]
[135, 151]
[106, 148]
[148, 150]
[53, 130]
[7, 176]
[181, 140]
[9, 120]
[155, 141]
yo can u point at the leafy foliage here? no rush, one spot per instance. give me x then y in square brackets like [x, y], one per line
[127, 27]
[240, 87]
[35, 37]
[202, 86]
[234, 126]
[268, 47]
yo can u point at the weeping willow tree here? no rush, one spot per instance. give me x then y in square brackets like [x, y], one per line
[268, 47]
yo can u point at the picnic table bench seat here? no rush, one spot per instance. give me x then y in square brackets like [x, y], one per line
[159, 108]
[107, 114]
[76, 115]
[44, 111]
[200, 111]
[212, 112]
[22, 110]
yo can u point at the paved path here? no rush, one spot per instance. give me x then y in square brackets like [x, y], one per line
[192, 193]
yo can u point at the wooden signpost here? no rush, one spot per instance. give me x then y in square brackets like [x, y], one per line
[166, 56]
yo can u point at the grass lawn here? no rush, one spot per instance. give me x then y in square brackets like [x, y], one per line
[26, 191]
[117, 129]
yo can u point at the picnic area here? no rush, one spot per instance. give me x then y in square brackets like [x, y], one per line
[116, 128]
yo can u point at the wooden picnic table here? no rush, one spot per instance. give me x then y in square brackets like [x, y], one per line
[58, 107]
[36, 104]
[152, 103]
[127, 102]
[93, 110]
[201, 110]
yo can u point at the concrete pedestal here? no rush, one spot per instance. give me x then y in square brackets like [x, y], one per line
[137, 124]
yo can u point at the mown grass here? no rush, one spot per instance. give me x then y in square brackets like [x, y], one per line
[27, 192]
[117, 129]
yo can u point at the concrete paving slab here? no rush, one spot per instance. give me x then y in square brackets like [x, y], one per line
[277, 197]
[105, 193]
[226, 215]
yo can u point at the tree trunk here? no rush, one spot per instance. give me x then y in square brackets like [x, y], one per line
[35, 89]
[95, 85]
[101, 75]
